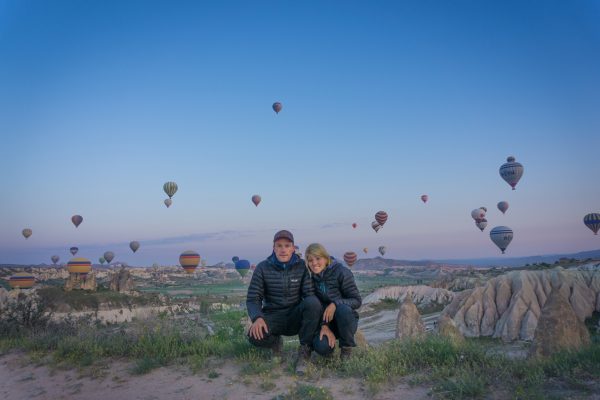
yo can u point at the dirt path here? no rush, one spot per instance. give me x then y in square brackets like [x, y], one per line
[20, 379]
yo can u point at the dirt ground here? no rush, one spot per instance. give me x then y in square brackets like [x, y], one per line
[21, 379]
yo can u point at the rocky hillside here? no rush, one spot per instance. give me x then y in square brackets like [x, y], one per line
[420, 294]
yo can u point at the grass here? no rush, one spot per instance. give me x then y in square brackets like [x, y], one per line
[54, 297]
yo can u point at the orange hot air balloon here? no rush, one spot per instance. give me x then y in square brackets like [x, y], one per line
[350, 258]
[21, 280]
[79, 265]
[189, 260]
[256, 200]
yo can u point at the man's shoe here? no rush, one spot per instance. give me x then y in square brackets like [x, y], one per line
[304, 353]
[345, 353]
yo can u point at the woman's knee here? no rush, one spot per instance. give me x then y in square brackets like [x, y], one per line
[321, 346]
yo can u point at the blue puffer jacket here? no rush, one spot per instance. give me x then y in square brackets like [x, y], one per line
[277, 286]
[335, 284]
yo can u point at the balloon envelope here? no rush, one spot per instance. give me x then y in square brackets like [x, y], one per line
[108, 256]
[74, 250]
[424, 198]
[102, 260]
[477, 213]
[235, 259]
[242, 267]
[79, 265]
[256, 200]
[170, 189]
[55, 259]
[21, 280]
[381, 217]
[134, 246]
[501, 236]
[189, 260]
[592, 221]
[503, 206]
[76, 220]
[481, 223]
[511, 171]
[382, 250]
[168, 202]
[27, 232]
[277, 106]
[375, 225]
[366, 250]
[350, 258]
[354, 225]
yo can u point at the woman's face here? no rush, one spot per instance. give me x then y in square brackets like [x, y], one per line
[316, 263]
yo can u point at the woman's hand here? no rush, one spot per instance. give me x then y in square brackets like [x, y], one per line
[329, 313]
[325, 331]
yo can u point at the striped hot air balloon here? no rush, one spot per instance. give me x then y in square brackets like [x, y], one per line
[189, 260]
[503, 206]
[79, 265]
[277, 106]
[242, 267]
[501, 236]
[375, 225]
[511, 171]
[381, 217]
[26, 232]
[592, 221]
[21, 280]
[170, 189]
[350, 258]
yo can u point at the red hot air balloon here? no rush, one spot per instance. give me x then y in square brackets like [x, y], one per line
[350, 258]
[424, 198]
[277, 106]
[77, 220]
[256, 200]
[381, 217]
[354, 225]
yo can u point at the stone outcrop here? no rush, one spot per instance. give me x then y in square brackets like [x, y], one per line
[447, 328]
[509, 306]
[121, 281]
[420, 294]
[74, 281]
[558, 327]
[408, 323]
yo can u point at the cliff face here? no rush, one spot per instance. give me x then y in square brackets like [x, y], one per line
[419, 294]
[509, 306]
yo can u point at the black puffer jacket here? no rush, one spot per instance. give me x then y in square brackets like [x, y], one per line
[277, 286]
[336, 285]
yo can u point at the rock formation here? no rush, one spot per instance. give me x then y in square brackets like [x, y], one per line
[509, 306]
[121, 281]
[447, 328]
[420, 294]
[76, 282]
[409, 324]
[558, 327]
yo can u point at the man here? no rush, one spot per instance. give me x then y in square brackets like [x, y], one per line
[281, 301]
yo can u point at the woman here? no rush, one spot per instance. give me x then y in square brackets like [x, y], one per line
[336, 289]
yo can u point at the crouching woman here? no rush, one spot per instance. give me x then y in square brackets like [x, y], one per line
[336, 289]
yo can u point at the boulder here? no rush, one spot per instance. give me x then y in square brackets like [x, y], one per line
[447, 328]
[121, 281]
[361, 340]
[558, 327]
[409, 323]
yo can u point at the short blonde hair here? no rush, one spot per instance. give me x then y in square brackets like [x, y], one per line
[317, 249]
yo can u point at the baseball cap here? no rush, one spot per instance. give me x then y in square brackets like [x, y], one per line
[284, 235]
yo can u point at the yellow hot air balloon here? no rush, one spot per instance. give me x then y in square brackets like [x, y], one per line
[21, 280]
[79, 265]
[189, 260]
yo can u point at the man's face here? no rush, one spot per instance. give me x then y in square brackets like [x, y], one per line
[283, 249]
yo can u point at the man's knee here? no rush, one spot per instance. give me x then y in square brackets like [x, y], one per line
[321, 346]
[312, 305]
[266, 342]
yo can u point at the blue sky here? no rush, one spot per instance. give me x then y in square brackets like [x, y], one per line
[103, 102]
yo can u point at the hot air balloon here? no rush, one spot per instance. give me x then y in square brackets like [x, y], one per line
[354, 225]
[21, 280]
[350, 258]
[424, 198]
[375, 225]
[77, 220]
[170, 189]
[134, 246]
[74, 250]
[189, 260]
[382, 250]
[511, 171]
[256, 200]
[242, 267]
[592, 221]
[277, 106]
[79, 265]
[55, 259]
[27, 232]
[235, 259]
[477, 213]
[366, 250]
[102, 260]
[481, 223]
[108, 256]
[501, 236]
[168, 202]
[381, 217]
[484, 209]
[503, 206]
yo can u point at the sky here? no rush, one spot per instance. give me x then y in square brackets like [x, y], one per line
[103, 102]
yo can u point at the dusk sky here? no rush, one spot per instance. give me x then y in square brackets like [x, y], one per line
[101, 102]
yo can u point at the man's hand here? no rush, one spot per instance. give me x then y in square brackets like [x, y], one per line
[329, 312]
[259, 329]
[325, 331]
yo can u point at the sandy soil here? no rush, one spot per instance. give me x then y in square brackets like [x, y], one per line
[20, 379]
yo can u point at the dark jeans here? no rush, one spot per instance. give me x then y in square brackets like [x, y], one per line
[302, 320]
[343, 326]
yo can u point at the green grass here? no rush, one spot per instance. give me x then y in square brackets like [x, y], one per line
[306, 392]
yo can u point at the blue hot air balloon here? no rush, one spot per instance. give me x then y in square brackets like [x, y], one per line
[592, 221]
[511, 171]
[242, 267]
